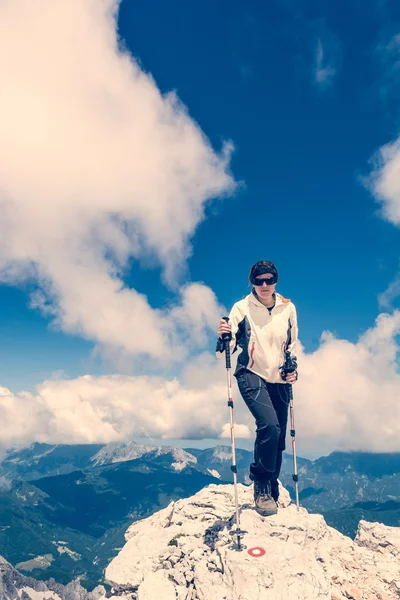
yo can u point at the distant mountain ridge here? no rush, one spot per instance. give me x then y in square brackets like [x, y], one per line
[66, 512]
[58, 502]
[185, 552]
[44, 460]
[39, 460]
[117, 452]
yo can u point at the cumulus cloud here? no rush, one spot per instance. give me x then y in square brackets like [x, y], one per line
[113, 408]
[324, 64]
[384, 183]
[347, 397]
[99, 169]
[385, 180]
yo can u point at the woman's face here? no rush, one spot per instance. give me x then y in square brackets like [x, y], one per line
[265, 290]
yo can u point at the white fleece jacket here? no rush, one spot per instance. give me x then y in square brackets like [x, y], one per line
[263, 336]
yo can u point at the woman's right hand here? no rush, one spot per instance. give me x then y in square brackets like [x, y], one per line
[224, 327]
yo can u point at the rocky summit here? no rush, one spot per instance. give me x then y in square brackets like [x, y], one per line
[186, 552]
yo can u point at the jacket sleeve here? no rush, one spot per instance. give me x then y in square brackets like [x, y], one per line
[234, 318]
[294, 332]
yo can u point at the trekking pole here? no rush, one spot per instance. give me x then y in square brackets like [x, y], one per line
[226, 337]
[290, 366]
[293, 436]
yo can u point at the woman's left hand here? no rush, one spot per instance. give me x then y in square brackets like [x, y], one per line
[291, 377]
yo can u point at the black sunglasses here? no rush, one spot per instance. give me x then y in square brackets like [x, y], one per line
[269, 281]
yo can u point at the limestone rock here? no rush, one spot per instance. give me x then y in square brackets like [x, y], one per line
[156, 585]
[379, 537]
[188, 551]
[293, 555]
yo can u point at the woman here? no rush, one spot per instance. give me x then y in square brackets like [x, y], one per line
[263, 325]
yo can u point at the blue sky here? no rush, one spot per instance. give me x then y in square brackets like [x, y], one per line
[307, 93]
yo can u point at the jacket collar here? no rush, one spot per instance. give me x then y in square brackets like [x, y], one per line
[279, 299]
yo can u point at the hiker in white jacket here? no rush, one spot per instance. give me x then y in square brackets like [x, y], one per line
[263, 325]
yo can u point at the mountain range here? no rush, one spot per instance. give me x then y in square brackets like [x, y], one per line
[190, 551]
[64, 509]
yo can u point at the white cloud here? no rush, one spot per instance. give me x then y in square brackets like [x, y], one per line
[384, 183]
[385, 180]
[241, 431]
[324, 65]
[98, 168]
[110, 408]
[347, 397]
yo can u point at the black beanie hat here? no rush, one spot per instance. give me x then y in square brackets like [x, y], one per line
[261, 267]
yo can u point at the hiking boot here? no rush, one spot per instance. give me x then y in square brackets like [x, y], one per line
[265, 504]
[275, 490]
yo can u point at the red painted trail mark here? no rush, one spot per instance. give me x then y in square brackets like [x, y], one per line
[257, 551]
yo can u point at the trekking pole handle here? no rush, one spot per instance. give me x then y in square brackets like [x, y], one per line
[289, 366]
[226, 337]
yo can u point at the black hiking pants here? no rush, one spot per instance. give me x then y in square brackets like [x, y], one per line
[268, 403]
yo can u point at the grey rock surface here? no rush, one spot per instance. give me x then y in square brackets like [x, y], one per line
[185, 551]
